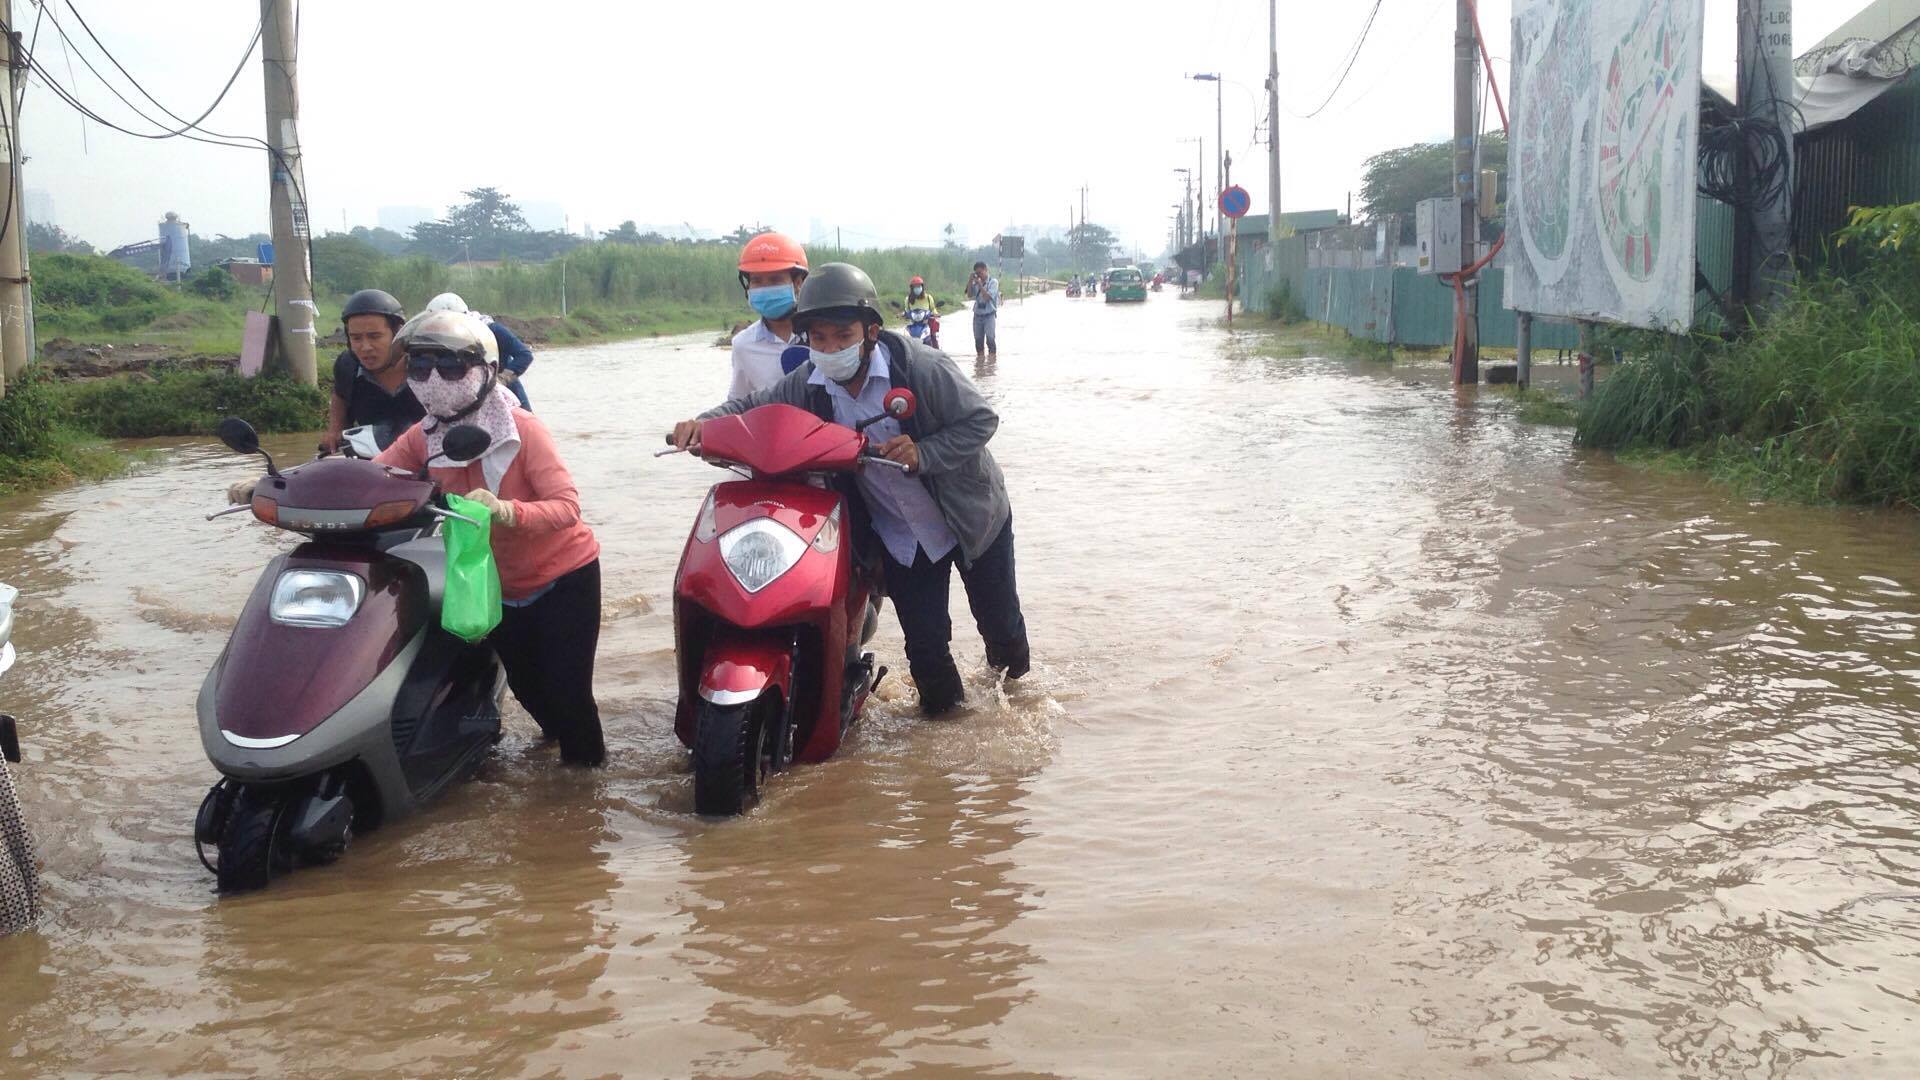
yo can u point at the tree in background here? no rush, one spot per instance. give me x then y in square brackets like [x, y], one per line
[1394, 181]
[344, 263]
[949, 242]
[627, 233]
[1092, 245]
[206, 252]
[488, 226]
[54, 239]
[383, 240]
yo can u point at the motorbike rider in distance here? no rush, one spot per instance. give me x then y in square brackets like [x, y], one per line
[919, 297]
[949, 508]
[369, 378]
[772, 267]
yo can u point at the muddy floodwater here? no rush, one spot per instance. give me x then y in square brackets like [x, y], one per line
[1370, 734]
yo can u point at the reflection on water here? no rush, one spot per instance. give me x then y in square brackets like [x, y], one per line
[1371, 734]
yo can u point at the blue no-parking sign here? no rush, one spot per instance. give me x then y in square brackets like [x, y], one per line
[1235, 202]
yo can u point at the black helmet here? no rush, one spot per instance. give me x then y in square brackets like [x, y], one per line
[837, 291]
[373, 302]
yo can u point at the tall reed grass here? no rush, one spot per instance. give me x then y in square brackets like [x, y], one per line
[1821, 401]
[619, 277]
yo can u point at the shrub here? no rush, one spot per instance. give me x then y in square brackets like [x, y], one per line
[29, 417]
[193, 403]
[214, 284]
[82, 292]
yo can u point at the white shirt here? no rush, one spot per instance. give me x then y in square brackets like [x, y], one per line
[902, 509]
[756, 359]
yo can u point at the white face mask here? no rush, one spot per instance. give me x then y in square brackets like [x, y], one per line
[442, 398]
[838, 366]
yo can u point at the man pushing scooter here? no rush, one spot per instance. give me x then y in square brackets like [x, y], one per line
[949, 507]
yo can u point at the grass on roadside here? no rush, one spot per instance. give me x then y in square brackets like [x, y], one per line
[1545, 408]
[1819, 403]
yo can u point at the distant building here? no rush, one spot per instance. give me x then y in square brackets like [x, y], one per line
[247, 271]
[402, 219]
[39, 207]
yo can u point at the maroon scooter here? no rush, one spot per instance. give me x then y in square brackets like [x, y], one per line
[339, 703]
[773, 601]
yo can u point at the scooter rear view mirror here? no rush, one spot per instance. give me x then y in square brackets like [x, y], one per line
[242, 439]
[238, 435]
[900, 403]
[792, 357]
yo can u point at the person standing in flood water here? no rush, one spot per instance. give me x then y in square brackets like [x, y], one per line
[369, 379]
[772, 266]
[984, 291]
[949, 508]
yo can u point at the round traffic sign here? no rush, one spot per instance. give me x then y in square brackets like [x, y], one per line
[1235, 202]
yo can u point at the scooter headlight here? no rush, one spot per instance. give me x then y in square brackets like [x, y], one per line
[316, 598]
[760, 551]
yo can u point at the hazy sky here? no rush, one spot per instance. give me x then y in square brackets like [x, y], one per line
[886, 119]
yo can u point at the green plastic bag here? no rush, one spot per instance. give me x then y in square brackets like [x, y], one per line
[471, 607]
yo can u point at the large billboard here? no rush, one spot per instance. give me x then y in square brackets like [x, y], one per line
[1603, 161]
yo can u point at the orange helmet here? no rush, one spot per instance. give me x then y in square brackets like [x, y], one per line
[916, 280]
[771, 252]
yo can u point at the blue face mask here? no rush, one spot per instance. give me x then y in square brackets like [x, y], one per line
[771, 301]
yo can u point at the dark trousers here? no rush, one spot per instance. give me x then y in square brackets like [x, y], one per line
[919, 594]
[547, 648]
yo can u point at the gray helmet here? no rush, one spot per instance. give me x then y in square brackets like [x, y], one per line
[454, 332]
[373, 302]
[840, 291]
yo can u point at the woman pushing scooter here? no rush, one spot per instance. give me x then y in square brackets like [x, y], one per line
[548, 557]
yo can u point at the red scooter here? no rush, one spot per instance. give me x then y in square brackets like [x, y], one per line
[773, 601]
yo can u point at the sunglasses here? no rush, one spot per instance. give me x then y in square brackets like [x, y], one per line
[421, 366]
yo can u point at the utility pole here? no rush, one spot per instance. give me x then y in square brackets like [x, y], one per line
[1763, 231]
[1466, 365]
[16, 307]
[1233, 234]
[1273, 128]
[293, 307]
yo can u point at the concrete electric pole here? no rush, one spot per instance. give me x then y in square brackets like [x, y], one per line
[16, 310]
[292, 262]
[1273, 128]
[1466, 365]
[1763, 236]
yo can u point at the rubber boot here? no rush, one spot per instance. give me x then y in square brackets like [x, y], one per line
[940, 688]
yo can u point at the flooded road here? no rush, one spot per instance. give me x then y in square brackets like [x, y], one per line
[1370, 734]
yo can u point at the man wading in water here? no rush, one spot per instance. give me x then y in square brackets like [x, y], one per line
[949, 508]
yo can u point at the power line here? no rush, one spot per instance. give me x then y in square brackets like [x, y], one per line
[187, 125]
[1353, 55]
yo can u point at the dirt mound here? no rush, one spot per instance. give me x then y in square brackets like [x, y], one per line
[68, 359]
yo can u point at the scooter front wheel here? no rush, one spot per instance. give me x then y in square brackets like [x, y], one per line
[254, 845]
[732, 745]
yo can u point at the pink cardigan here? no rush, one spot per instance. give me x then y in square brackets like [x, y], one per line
[548, 539]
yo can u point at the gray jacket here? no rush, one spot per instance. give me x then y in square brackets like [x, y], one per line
[951, 427]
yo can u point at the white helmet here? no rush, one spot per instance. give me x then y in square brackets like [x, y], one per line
[447, 301]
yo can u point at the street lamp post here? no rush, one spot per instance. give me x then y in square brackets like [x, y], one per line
[1185, 208]
[1219, 144]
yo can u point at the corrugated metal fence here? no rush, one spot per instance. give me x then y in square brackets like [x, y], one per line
[1401, 306]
